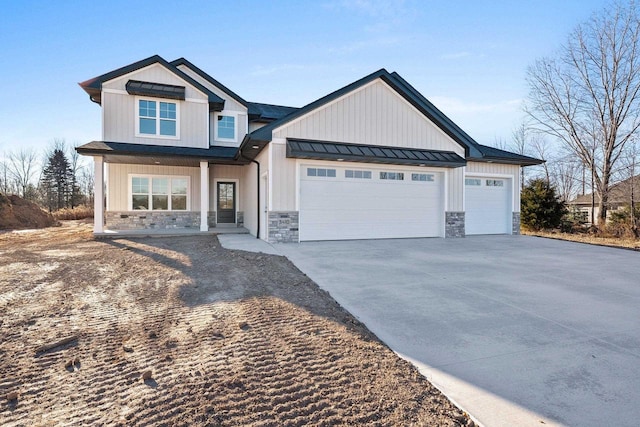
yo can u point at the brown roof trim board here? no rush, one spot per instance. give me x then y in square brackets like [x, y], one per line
[94, 86]
[339, 151]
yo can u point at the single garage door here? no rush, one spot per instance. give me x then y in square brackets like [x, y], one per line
[338, 203]
[487, 205]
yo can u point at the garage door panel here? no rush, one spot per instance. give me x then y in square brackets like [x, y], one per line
[488, 208]
[339, 208]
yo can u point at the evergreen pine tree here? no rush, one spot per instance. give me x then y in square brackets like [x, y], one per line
[541, 208]
[57, 181]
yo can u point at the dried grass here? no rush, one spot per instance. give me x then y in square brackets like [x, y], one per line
[79, 212]
[592, 239]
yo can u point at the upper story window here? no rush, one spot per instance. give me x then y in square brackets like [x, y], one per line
[157, 118]
[226, 127]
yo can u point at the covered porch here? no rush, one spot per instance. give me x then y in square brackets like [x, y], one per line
[143, 190]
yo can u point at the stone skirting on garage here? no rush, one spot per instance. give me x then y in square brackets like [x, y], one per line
[454, 224]
[140, 220]
[283, 227]
[515, 223]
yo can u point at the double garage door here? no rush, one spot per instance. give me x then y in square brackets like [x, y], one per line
[338, 203]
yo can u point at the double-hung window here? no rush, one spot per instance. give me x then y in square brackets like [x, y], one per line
[159, 193]
[157, 118]
[226, 127]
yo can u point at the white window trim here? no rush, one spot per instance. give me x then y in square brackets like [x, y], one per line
[233, 114]
[157, 101]
[150, 177]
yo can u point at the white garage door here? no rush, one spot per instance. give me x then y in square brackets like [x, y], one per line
[487, 205]
[338, 203]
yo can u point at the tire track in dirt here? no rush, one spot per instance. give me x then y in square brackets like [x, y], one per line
[230, 338]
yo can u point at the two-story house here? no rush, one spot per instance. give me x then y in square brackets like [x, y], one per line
[374, 159]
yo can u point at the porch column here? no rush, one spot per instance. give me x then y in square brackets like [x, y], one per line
[204, 196]
[98, 195]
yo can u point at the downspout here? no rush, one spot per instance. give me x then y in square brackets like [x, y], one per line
[257, 198]
[257, 192]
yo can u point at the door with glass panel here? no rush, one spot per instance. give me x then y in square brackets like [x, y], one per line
[226, 206]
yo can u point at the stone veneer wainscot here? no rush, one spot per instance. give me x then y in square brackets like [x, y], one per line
[515, 223]
[454, 224]
[283, 227]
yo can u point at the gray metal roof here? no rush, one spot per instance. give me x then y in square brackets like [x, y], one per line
[137, 87]
[259, 112]
[325, 150]
[491, 154]
[228, 155]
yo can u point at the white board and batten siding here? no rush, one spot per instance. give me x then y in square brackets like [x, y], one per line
[491, 196]
[119, 111]
[341, 206]
[373, 115]
[119, 176]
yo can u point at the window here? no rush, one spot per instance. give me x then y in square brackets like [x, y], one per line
[357, 174]
[159, 193]
[423, 177]
[495, 183]
[393, 176]
[140, 193]
[472, 181]
[157, 118]
[226, 127]
[330, 173]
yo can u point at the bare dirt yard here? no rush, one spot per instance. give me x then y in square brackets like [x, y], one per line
[179, 331]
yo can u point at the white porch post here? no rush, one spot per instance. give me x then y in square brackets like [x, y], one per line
[204, 196]
[98, 195]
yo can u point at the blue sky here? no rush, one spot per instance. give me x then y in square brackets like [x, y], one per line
[468, 57]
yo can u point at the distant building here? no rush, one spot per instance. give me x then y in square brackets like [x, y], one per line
[619, 197]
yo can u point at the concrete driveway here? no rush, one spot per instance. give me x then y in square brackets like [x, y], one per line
[516, 330]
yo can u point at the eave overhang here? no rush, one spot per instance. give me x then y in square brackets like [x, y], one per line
[338, 151]
[115, 150]
[93, 87]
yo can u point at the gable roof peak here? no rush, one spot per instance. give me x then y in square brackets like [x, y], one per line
[94, 86]
[207, 77]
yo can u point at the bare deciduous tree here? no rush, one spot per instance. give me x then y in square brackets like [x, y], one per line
[588, 97]
[23, 165]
